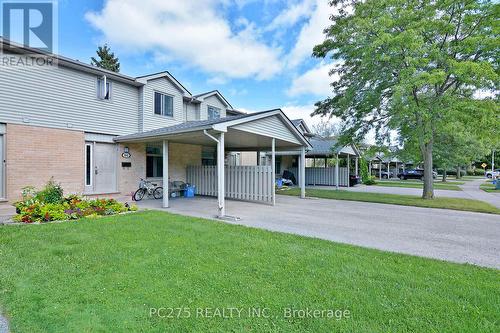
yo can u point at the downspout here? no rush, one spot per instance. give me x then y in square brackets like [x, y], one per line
[210, 136]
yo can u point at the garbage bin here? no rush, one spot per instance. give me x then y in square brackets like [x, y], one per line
[353, 180]
[190, 191]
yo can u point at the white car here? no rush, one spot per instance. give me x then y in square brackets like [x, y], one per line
[494, 173]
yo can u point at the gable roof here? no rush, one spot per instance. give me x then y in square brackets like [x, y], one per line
[165, 74]
[323, 146]
[220, 124]
[211, 93]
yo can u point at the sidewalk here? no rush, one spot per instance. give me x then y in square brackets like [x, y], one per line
[474, 192]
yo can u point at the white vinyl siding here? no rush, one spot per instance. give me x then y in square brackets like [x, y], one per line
[66, 98]
[150, 119]
[192, 111]
[270, 127]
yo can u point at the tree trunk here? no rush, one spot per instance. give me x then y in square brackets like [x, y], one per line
[459, 174]
[444, 176]
[428, 192]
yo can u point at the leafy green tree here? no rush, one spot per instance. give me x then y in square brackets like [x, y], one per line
[107, 59]
[412, 67]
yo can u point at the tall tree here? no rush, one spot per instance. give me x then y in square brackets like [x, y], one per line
[412, 66]
[325, 129]
[107, 59]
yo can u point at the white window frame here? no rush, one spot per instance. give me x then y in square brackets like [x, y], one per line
[104, 89]
[162, 104]
[89, 163]
[216, 109]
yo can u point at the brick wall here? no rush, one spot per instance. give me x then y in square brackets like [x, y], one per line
[35, 154]
[180, 156]
[128, 178]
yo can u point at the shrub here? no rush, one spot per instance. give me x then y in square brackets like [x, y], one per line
[364, 171]
[475, 172]
[370, 181]
[51, 193]
[50, 205]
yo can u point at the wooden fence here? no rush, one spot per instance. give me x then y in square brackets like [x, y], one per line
[249, 183]
[323, 176]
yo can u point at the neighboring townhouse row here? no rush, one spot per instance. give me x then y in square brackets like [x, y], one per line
[60, 122]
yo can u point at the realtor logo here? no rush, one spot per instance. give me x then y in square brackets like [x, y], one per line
[30, 23]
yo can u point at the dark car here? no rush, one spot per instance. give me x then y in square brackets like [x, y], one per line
[415, 174]
[411, 174]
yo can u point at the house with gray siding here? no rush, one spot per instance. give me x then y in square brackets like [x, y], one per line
[98, 133]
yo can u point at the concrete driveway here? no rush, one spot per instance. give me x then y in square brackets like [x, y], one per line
[470, 190]
[463, 237]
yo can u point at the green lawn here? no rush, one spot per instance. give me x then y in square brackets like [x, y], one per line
[488, 187]
[419, 184]
[105, 276]
[396, 199]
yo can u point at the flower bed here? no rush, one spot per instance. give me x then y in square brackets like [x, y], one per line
[50, 204]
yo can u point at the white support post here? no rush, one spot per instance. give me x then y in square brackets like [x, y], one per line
[356, 167]
[303, 173]
[273, 165]
[397, 171]
[348, 169]
[220, 177]
[388, 171]
[492, 161]
[370, 168]
[337, 175]
[380, 170]
[165, 174]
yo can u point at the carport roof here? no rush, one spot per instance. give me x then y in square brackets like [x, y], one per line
[323, 146]
[214, 124]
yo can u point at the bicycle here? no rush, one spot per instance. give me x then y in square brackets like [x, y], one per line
[148, 188]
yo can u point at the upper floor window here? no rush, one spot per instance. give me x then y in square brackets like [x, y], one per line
[213, 113]
[103, 88]
[164, 105]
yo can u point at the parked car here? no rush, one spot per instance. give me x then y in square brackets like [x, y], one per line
[415, 174]
[387, 175]
[493, 173]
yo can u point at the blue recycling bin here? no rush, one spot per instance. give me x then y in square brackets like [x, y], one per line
[190, 191]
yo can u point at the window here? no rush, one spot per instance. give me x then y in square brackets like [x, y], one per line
[154, 161]
[208, 156]
[88, 165]
[103, 90]
[213, 113]
[164, 105]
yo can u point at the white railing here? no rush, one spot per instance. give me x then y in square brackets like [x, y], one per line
[323, 176]
[249, 183]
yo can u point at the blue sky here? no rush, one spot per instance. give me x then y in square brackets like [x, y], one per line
[257, 53]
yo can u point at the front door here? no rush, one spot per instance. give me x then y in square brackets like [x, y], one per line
[2, 168]
[100, 167]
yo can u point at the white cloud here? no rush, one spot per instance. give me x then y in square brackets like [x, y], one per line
[292, 14]
[189, 30]
[315, 81]
[311, 33]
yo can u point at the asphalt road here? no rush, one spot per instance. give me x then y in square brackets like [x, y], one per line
[462, 237]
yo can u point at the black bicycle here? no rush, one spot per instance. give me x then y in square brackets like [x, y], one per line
[148, 188]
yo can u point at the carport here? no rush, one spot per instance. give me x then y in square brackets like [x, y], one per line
[266, 130]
